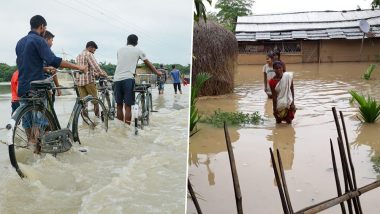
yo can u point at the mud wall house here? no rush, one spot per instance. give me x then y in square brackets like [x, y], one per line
[309, 37]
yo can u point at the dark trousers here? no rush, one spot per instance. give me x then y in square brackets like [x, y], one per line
[175, 87]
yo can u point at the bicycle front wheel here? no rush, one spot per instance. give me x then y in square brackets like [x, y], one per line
[32, 123]
[90, 118]
[149, 107]
[140, 101]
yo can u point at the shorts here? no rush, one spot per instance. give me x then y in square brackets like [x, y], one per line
[124, 92]
[161, 86]
[35, 118]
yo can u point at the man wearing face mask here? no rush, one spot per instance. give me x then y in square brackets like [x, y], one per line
[32, 50]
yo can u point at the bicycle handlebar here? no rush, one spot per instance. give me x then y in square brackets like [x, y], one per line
[69, 71]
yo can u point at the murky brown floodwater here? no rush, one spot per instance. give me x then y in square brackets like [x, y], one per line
[304, 145]
[119, 173]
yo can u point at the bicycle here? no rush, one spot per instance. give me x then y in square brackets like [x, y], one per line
[105, 87]
[34, 127]
[143, 103]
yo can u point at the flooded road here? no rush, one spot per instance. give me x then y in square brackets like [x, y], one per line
[304, 145]
[120, 172]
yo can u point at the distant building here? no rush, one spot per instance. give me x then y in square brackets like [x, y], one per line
[303, 37]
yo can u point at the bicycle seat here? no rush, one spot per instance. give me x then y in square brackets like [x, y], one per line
[40, 84]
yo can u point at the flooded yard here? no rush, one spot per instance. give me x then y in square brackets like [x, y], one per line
[304, 145]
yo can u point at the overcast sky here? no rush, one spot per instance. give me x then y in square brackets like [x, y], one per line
[164, 27]
[281, 6]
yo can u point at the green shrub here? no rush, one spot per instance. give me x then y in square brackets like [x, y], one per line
[196, 86]
[232, 118]
[369, 108]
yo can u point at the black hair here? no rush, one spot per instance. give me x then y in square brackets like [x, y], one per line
[173, 66]
[36, 21]
[48, 35]
[91, 44]
[161, 66]
[277, 63]
[132, 40]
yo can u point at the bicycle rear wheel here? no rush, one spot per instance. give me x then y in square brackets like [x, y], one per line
[32, 123]
[139, 118]
[90, 118]
[149, 107]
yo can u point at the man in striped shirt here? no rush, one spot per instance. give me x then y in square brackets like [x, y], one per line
[86, 81]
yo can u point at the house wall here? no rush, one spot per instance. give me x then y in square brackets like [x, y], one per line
[349, 50]
[341, 50]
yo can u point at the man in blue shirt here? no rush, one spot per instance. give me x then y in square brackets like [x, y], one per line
[176, 76]
[32, 50]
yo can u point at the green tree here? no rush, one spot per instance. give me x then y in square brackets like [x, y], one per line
[375, 4]
[6, 72]
[108, 68]
[200, 10]
[230, 10]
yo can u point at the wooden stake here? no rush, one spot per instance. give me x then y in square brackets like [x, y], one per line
[284, 183]
[337, 182]
[279, 184]
[193, 197]
[235, 178]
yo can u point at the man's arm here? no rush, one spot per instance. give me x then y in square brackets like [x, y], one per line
[95, 65]
[66, 64]
[152, 68]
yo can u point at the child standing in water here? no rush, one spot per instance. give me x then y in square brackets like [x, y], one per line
[283, 94]
[268, 74]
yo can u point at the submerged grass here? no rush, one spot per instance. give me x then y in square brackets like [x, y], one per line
[232, 118]
[369, 108]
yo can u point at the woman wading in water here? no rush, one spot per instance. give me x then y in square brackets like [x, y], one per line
[282, 89]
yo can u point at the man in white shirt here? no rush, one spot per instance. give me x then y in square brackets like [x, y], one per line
[127, 58]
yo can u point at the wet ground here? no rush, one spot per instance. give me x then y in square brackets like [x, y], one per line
[120, 172]
[304, 145]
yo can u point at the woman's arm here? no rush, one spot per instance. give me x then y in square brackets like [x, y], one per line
[265, 82]
[274, 98]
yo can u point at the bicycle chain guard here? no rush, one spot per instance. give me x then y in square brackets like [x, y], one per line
[57, 141]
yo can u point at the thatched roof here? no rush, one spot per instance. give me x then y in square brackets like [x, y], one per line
[215, 51]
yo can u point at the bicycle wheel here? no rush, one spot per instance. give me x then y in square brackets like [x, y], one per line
[90, 118]
[140, 101]
[149, 107]
[32, 123]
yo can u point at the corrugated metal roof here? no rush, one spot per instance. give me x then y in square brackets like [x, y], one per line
[308, 25]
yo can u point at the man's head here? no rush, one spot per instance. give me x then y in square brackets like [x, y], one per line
[161, 66]
[173, 66]
[132, 40]
[91, 46]
[49, 38]
[38, 24]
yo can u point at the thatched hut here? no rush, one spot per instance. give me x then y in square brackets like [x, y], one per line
[215, 51]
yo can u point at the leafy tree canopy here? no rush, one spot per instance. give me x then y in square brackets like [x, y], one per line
[375, 4]
[230, 10]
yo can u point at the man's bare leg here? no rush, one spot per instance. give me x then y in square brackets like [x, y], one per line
[128, 114]
[119, 112]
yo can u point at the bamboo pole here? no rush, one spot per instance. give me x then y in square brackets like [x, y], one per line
[238, 196]
[287, 197]
[343, 160]
[336, 175]
[193, 197]
[279, 184]
[334, 201]
[350, 161]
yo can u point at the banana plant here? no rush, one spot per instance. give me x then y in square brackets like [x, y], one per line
[368, 73]
[369, 109]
